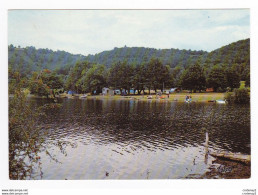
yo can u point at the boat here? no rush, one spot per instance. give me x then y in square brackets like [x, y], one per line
[220, 101]
[83, 96]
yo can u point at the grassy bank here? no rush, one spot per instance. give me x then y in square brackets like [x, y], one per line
[180, 97]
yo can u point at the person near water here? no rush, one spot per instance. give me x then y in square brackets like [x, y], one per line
[167, 93]
[186, 98]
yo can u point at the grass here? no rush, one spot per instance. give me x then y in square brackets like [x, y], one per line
[180, 97]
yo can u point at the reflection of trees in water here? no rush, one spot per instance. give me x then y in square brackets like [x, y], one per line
[26, 137]
[153, 124]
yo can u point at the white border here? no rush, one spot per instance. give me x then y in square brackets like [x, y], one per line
[131, 186]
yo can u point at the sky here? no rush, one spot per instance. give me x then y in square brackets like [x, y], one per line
[93, 31]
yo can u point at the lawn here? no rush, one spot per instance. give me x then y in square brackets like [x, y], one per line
[196, 97]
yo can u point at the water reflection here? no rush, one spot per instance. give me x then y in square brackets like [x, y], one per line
[142, 139]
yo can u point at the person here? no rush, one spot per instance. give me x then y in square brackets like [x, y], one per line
[190, 98]
[167, 93]
[186, 98]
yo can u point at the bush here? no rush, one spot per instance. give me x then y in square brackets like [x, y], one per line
[228, 89]
[26, 138]
[242, 96]
[220, 90]
[230, 97]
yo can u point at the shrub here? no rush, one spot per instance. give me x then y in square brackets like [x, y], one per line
[242, 96]
[229, 96]
[26, 138]
[228, 89]
[220, 90]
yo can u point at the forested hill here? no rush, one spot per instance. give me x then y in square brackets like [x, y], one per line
[138, 55]
[30, 59]
[26, 60]
[234, 53]
[237, 52]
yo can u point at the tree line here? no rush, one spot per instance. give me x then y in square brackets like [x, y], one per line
[46, 72]
[153, 75]
[30, 59]
[86, 77]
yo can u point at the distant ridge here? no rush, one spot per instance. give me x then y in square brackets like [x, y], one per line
[30, 59]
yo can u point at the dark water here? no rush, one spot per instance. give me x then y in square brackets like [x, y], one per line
[129, 139]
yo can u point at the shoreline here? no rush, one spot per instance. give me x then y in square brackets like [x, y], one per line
[228, 169]
[178, 97]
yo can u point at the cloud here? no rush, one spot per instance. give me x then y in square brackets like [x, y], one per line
[91, 31]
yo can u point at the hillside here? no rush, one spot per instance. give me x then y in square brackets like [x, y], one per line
[234, 53]
[138, 55]
[30, 59]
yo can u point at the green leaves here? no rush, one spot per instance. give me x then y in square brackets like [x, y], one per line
[24, 135]
[217, 78]
[193, 78]
[86, 77]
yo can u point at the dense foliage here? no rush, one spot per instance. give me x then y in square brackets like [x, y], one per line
[242, 96]
[137, 67]
[138, 55]
[45, 83]
[26, 137]
[26, 60]
[193, 78]
[24, 142]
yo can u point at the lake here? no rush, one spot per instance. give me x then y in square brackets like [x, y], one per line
[133, 139]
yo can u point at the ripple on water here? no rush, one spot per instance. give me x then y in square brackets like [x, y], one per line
[141, 140]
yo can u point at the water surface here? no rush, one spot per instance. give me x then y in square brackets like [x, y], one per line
[130, 139]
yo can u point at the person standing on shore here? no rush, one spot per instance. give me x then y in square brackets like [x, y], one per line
[186, 98]
[167, 93]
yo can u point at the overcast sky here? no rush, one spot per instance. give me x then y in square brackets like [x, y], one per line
[92, 31]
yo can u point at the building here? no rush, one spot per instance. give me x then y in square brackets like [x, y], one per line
[108, 91]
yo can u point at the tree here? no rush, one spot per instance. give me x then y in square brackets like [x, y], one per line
[26, 139]
[176, 75]
[217, 78]
[139, 78]
[245, 74]
[93, 79]
[156, 74]
[233, 78]
[37, 86]
[52, 81]
[45, 83]
[121, 76]
[242, 95]
[193, 78]
[72, 81]
[114, 76]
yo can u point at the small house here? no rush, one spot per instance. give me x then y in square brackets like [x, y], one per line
[108, 91]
